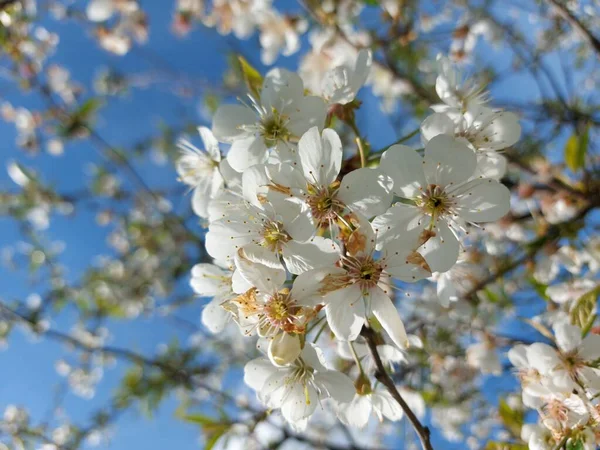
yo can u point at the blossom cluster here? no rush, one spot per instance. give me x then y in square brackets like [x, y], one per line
[562, 383]
[295, 230]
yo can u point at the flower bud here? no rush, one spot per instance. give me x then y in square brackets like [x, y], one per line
[284, 349]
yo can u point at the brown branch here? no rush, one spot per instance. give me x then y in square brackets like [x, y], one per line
[569, 17]
[382, 376]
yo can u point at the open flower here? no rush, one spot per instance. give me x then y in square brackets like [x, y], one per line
[297, 388]
[442, 198]
[282, 113]
[267, 229]
[485, 130]
[211, 280]
[268, 308]
[341, 84]
[360, 285]
[313, 183]
[200, 170]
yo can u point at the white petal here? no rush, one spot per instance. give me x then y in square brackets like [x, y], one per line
[307, 113]
[568, 337]
[239, 284]
[437, 123]
[401, 223]
[448, 161]
[302, 256]
[281, 89]
[246, 152]
[306, 287]
[362, 69]
[483, 200]
[357, 412]
[590, 348]
[203, 194]
[490, 165]
[542, 357]
[255, 183]
[384, 404]
[397, 254]
[257, 371]
[387, 315]
[446, 290]
[518, 356]
[320, 157]
[260, 267]
[229, 120]
[300, 402]
[208, 279]
[366, 191]
[405, 167]
[211, 145]
[337, 385]
[214, 316]
[345, 312]
[441, 251]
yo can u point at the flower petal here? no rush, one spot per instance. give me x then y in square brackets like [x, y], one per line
[345, 312]
[405, 167]
[448, 161]
[229, 120]
[366, 191]
[483, 200]
[246, 152]
[387, 315]
[320, 156]
[441, 251]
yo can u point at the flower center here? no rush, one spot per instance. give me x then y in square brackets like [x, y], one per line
[324, 204]
[363, 270]
[435, 201]
[273, 234]
[304, 375]
[272, 128]
[281, 312]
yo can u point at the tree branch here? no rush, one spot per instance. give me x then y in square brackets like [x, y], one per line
[382, 376]
[569, 17]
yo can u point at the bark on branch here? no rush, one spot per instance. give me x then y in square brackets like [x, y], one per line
[382, 376]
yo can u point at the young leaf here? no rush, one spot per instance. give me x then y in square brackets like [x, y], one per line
[251, 76]
[575, 150]
[583, 312]
[512, 419]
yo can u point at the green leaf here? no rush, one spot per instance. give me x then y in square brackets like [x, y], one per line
[583, 314]
[576, 149]
[200, 419]
[252, 77]
[213, 429]
[496, 445]
[576, 445]
[539, 288]
[512, 419]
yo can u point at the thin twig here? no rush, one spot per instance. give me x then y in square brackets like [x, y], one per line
[382, 376]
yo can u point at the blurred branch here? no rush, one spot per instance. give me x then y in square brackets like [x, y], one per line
[533, 247]
[569, 17]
